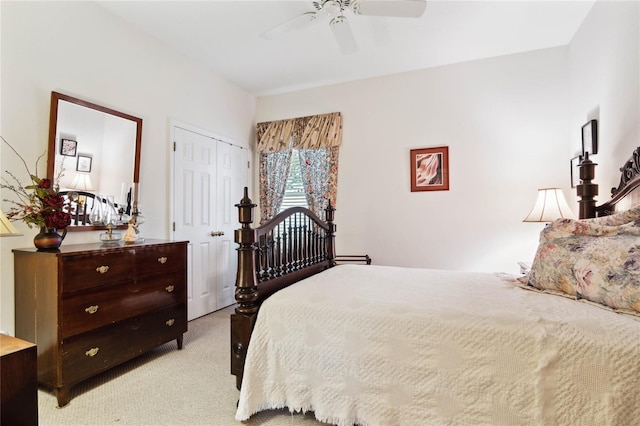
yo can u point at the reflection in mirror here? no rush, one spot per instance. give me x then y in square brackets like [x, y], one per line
[93, 151]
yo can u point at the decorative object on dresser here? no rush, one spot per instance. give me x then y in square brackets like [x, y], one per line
[38, 204]
[430, 169]
[590, 137]
[18, 380]
[89, 307]
[49, 238]
[133, 231]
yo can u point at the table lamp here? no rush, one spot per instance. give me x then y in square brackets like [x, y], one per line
[6, 227]
[549, 206]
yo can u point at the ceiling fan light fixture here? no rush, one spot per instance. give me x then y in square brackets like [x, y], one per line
[332, 8]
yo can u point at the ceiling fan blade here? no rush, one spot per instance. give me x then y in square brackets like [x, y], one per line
[342, 32]
[296, 23]
[394, 8]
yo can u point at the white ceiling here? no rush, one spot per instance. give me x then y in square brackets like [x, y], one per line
[225, 37]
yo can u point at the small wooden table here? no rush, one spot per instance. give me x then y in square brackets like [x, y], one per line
[18, 382]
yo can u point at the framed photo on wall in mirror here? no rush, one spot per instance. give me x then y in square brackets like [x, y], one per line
[84, 163]
[68, 147]
[575, 170]
[430, 169]
[590, 137]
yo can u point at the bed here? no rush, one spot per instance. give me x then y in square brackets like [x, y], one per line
[382, 345]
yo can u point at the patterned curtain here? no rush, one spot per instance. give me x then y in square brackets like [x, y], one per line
[321, 131]
[318, 138]
[319, 170]
[274, 170]
[274, 136]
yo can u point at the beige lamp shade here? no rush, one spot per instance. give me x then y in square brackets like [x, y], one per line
[550, 205]
[6, 227]
[82, 182]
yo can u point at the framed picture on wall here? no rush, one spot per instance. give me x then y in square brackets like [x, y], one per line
[68, 147]
[84, 163]
[430, 169]
[590, 138]
[575, 170]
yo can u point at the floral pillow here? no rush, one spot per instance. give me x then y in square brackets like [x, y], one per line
[595, 259]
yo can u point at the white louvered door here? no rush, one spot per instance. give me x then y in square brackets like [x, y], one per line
[209, 175]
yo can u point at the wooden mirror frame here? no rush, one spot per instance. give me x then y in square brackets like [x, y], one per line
[53, 128]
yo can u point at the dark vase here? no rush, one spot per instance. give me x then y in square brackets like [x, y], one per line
[49, 238]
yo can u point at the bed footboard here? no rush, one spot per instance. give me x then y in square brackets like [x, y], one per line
[292, 246]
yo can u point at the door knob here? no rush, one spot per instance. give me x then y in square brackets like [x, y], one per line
[217, 233]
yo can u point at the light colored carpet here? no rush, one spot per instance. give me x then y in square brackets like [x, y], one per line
[166, 386]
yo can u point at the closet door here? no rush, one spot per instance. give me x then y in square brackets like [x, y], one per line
[208, 181]
[232, 175]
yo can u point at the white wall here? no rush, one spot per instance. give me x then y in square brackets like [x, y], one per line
[82, 50]
[505, 122]
[604, 85]
[512, 124]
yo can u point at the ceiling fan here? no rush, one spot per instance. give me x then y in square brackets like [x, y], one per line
[334, 9]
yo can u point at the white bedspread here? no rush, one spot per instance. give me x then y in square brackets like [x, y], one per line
[376, 345]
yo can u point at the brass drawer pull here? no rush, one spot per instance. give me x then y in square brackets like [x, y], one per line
[170, 322]
[162, 259]
[169, 288]
[102, 269]
[92, 352]
[92, 309]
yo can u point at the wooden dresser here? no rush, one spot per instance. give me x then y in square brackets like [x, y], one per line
[18, 382]
[89, 307]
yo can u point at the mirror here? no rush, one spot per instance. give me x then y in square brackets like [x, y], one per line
[93, 149]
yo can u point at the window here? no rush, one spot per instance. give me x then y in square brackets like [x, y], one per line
[294, 189]
[313, 178]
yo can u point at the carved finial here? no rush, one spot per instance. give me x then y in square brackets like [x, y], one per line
[329, 212]
[245, 209]
[245, 198]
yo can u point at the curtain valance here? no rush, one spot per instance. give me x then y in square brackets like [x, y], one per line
[312, 132]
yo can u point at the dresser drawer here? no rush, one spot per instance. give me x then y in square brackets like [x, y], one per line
[86, 271]
[160, 259]
[82, 311]
[89, 353]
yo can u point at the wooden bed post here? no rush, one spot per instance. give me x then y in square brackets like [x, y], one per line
[587, 190]
[331, 251]
[243, 320]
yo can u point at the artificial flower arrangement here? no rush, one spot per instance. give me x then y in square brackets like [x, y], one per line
[38, 204]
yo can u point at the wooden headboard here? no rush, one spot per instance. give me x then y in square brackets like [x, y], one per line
[623, 197]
